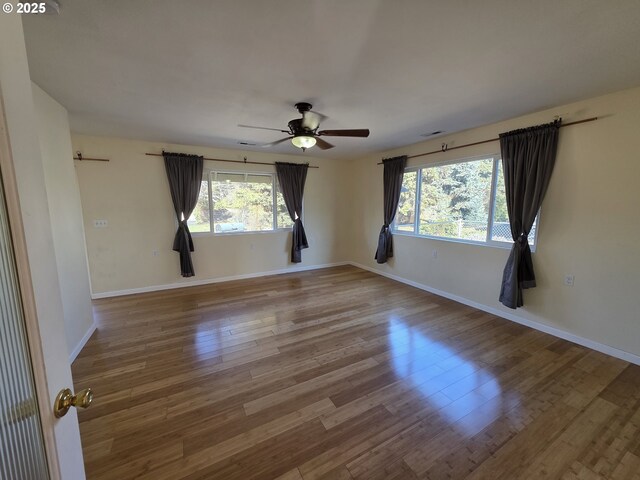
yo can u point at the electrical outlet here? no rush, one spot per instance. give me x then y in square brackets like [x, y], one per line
[155, 253]
[568, 280]
[100, 224]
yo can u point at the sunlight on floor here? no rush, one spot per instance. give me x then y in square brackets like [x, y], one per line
[454, 385]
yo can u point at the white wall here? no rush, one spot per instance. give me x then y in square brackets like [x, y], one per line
[15, 85]
[131, 192]
[589, 226]
[63, 195]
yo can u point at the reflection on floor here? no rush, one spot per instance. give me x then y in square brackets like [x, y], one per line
[339, 373]
[440, 374]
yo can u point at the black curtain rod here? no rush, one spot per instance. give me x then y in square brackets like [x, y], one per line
[445, 148]
[81, 158]
[228, 161]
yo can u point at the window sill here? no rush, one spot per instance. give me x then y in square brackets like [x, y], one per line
[243, 232]
[501, 245]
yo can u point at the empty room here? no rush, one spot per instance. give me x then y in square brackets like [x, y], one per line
[295, 240]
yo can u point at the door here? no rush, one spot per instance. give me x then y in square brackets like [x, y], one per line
[22, 452]
[33, 352]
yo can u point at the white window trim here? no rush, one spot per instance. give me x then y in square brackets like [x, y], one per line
[488, 242]
[208, 174]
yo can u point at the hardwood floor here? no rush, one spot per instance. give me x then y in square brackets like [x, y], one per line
[341, 374]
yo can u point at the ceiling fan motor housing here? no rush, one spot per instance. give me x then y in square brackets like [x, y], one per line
[303, 107]
[297, 128]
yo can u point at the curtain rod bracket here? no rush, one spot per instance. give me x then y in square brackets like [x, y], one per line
[79, 155]
[445, 147]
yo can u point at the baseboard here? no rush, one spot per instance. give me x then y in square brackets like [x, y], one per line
[556, 332]
[207, 281]
[82, 343]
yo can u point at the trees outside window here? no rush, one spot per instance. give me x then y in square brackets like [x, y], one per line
[232, 202]
[458, 201]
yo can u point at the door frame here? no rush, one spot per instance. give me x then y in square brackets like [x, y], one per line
[14, 214]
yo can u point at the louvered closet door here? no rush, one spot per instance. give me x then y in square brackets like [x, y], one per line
[22, 455]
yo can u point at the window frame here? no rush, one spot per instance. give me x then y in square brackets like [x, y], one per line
[488, 242]
[209, 174]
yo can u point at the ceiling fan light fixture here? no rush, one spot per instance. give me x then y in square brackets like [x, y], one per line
[303, 141]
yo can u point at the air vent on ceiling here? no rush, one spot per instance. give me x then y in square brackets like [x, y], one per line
[436, 132]
[242, 142]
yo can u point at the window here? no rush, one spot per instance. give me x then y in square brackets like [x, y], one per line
[457, 201]
[501, 230]
[200, 220]
[231, 202]
[405, 219]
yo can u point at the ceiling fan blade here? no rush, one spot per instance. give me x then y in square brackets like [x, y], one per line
[362, 132]
[276, 142]
[323, 144]
[311, 120]
[264, 128]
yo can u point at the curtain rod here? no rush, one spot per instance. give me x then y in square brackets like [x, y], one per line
[446, 148]
[81, 158]
[229, 161]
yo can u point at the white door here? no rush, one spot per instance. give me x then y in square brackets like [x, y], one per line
[34, 361]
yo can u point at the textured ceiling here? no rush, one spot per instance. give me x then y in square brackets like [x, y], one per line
[190, 71]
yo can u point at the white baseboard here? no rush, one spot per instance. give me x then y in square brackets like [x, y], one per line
[74, 353]
[206, 281]
[556, 332]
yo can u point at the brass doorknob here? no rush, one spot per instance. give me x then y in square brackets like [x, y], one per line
[66, 399]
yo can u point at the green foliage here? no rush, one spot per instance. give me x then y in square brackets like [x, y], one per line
[283, 219]
[239, 202]
[500, 213]
[454, 199]
[201, 212]
[247, 203]
[406, 207]
[456, 192]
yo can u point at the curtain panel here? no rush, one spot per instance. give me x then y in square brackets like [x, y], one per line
[291, 178]
[528, 158]
[392, 179]
[184, 173]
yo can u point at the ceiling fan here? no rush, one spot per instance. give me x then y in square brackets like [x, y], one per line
[303, 132]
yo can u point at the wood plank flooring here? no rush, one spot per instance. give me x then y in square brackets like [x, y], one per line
[342, 374]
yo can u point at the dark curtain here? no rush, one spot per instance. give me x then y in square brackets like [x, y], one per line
[185, 176]
[393, 174]
[528, 157]
[291, 178]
